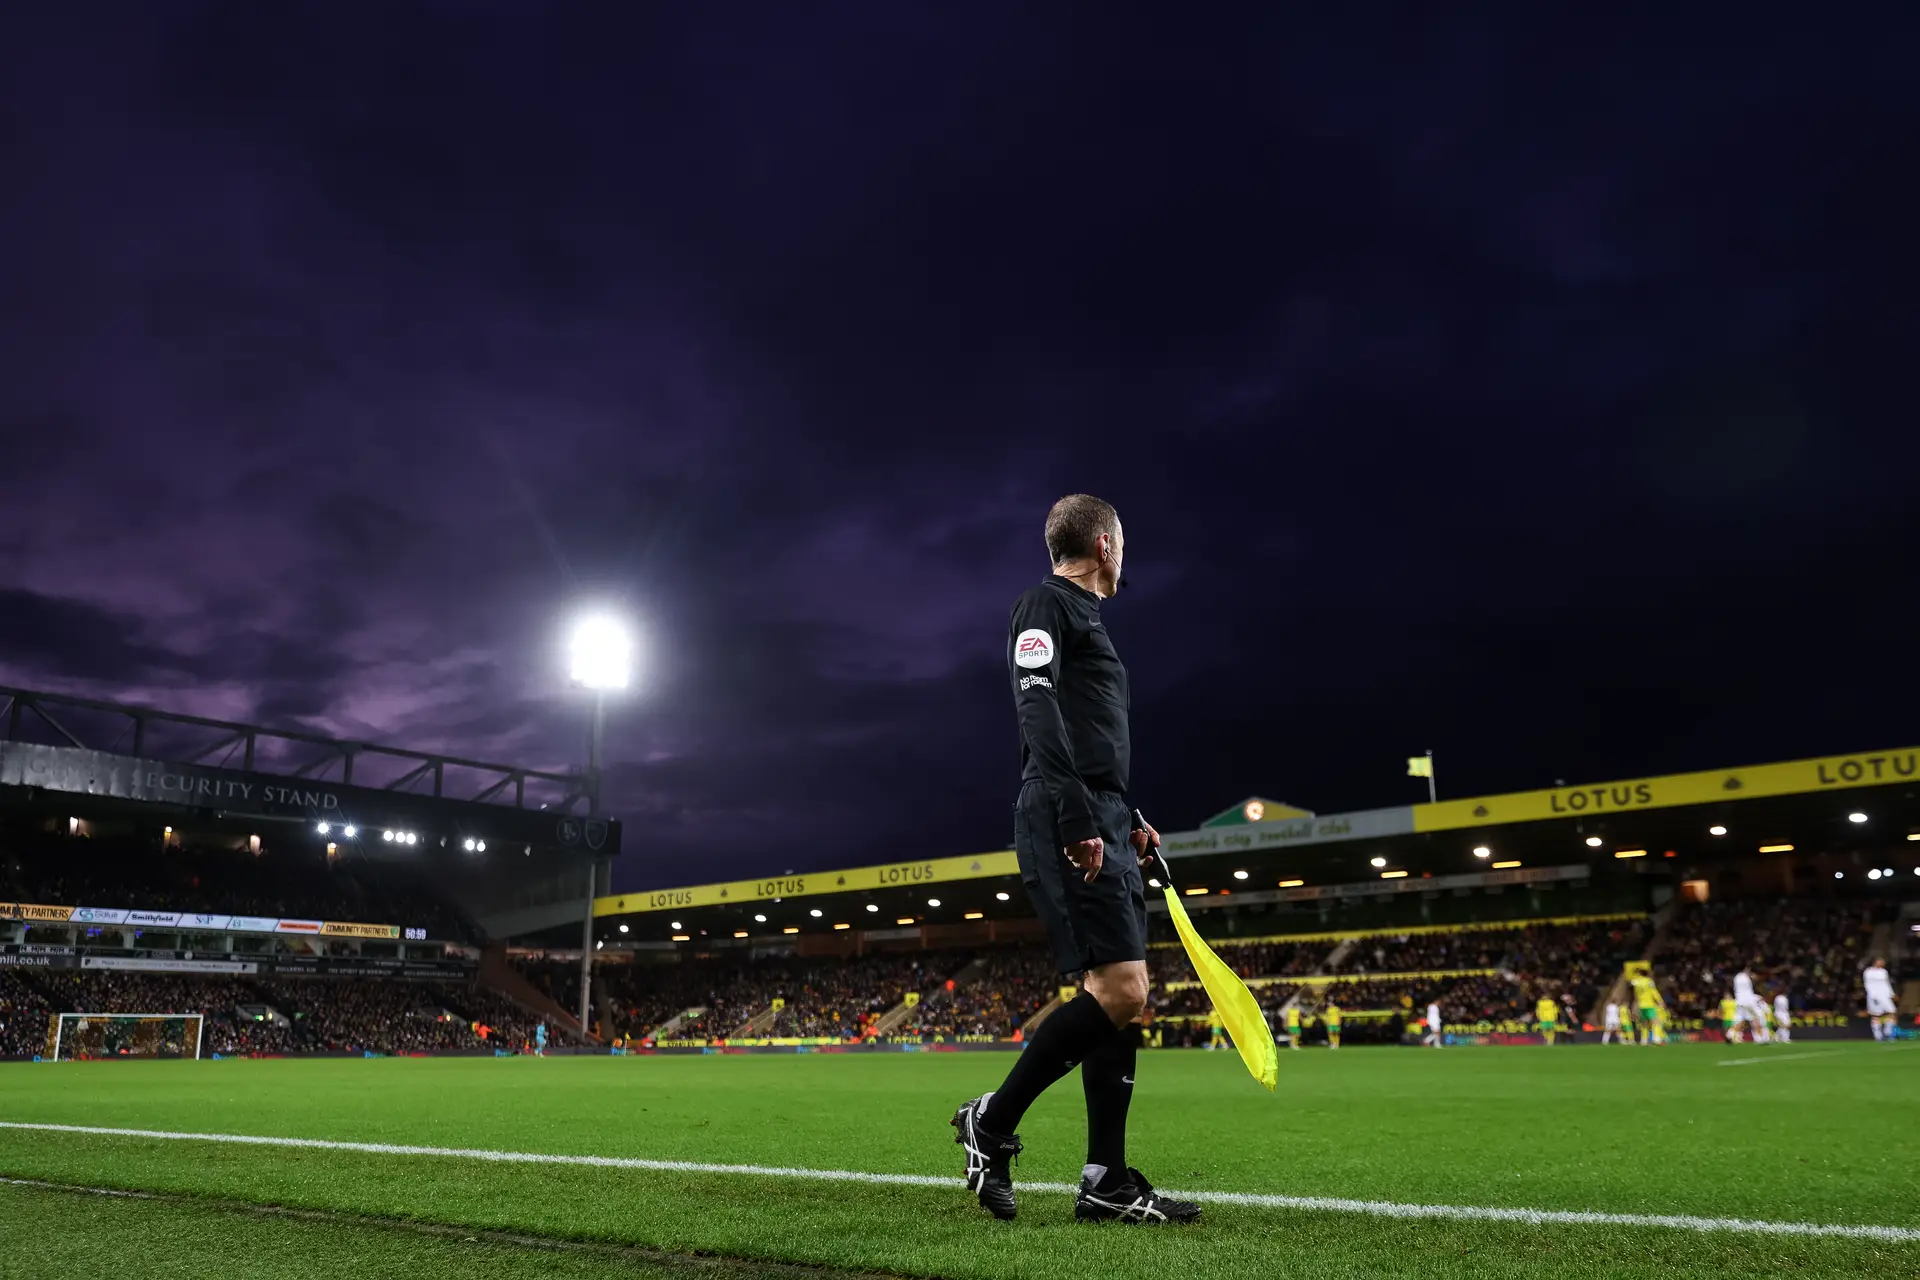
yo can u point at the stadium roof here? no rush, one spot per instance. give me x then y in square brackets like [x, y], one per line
[108, 752]
[1527, 835]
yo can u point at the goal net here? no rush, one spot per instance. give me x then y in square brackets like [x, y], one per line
[83, 1036]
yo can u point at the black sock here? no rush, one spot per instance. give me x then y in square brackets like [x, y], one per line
[1107, 1077]
[1070, 1033]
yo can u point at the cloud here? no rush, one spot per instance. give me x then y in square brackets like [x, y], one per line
[1438, 383]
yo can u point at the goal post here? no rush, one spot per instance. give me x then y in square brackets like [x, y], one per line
[92, 1036]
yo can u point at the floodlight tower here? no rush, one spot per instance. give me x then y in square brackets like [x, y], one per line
[601, 659]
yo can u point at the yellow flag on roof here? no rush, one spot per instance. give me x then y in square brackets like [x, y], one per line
[1419, 766]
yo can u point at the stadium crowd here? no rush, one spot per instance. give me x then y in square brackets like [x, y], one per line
[1479, 975]
[994, 992]
[24, 1010]
[821, 998]
[1265, 959]
[1813, 951]
[1008, 988]
[314, 1015]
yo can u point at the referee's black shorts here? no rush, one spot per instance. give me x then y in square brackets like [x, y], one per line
[1088, 924]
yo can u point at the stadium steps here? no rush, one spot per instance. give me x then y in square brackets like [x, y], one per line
[669, 1029]
[1663, 921]
[760, 1024]
[500, 977]
[1338, 956]
[894, 1018]
[1040, 1015]
[1880, 943]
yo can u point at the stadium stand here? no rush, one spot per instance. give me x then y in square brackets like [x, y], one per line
[316, 1015]
[996, 990]
[1009, 988]
[1383, 981]
[1248, 959]
[24, 1010]
[830, 998]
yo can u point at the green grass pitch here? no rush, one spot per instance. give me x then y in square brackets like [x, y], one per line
[1827, 1136]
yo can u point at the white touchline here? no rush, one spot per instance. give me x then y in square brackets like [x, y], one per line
[1324, 1204]
[1780, 1057]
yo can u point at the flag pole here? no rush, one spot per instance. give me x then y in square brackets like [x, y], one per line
[1433, 791]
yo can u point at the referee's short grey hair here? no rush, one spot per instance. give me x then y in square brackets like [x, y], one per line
[1075, 523]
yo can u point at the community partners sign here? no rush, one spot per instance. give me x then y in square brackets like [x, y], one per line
[75, 771]
[1369, 824]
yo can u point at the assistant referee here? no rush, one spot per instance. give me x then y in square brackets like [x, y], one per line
[1080, 862]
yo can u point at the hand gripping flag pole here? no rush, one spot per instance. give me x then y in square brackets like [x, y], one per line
[1239, 1011]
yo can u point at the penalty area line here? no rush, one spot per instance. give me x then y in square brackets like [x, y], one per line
[1321, 1204]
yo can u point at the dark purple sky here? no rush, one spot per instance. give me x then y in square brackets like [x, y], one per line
[1539, 395]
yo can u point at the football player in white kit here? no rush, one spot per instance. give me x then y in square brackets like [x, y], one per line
[1782, 1019]
[1879, 998]
[1747, 1007]
[1433, 1025]
[1611, 1031]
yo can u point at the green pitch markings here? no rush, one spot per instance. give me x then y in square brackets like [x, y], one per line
[1589, 1160]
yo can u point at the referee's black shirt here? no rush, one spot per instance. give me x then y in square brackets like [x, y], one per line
[1070, 691]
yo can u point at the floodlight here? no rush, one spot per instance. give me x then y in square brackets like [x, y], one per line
[1003, 895]
[623, 928]
[1379, 862]
[815, 913]
[1239, 875]
[601, 652]
[1481, 851]
[874, 906]
[324, 828]
[1856, 816]
[1716, 831]
[350, 831]
[759, 919]
[479, 846]
[1593, 842]
[933, 902]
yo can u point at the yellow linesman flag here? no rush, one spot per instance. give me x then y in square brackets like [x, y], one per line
[1239, 1012]
[1419, 766]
